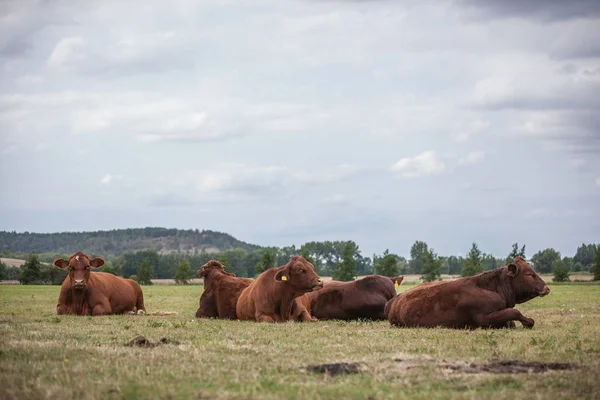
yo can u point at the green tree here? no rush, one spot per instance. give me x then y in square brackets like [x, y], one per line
[387, 265]
[31, 273]
[585, 255]
[432, 266]
[184, 273]
[145, 273]
[3, 270]
[267, 261]
[544, 261]
[561, 272]
[418, 253]
[515, 252]
[472, 264]
[346, 269]
[305, 253]
[596, 265]
[111, 269]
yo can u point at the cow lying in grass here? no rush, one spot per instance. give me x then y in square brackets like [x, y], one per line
[485, 300]
[271, 296]
[363, 298]
[96, 293]
[221, 291]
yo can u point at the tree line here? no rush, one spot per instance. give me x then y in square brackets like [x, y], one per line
[119, 241]
[342, 260]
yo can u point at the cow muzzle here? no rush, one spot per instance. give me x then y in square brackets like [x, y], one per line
[79, 284]
[318, 285]
[545, 292]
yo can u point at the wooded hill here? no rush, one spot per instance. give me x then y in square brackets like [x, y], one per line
[120, 241]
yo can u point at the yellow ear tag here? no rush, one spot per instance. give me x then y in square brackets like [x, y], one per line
[284, 278]
[396, 284]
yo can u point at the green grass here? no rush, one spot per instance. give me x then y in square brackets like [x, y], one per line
[43, 355]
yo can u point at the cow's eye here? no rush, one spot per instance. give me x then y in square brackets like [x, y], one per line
[303, 271]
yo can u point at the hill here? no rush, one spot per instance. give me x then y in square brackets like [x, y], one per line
[119, 241]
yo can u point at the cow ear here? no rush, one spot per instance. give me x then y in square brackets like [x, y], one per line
[97, 262]
[61, 263]
[282, 275]
[513, 270]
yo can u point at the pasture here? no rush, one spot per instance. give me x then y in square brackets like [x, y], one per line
[43, 355]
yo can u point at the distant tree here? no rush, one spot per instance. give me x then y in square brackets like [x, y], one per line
[561, 272]
[418, 253]
[267, 261]
[454, 265]
[387, 265]
[515, 252]
[472, 264]
[3, 272]
[544, 260]
[31, 273]
[568, 261]
[346, 269]
[577, 267]
[145, 273]
[184, 273]
[585, 255]
[111, 269]
[596, 265]
[305, 253]
[432, 266]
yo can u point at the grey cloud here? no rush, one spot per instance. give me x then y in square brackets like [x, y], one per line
[15, 47]
[541, 10]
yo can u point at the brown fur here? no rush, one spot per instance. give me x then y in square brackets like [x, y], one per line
[95, 293]
[485, 300]
[363, 298]
[271, 296]
[221, 291]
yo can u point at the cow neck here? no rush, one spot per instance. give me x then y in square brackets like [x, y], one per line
[79, 300]
[287, 302]
[498, 281]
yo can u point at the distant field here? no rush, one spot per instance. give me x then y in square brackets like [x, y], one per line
[43, 355]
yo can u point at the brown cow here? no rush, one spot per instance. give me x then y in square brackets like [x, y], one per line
[96, 293]
[363, 298]
[485, 300]
[397, 281]
[221, 291]
[271, 296]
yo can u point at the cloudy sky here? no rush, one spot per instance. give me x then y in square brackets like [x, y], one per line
[281, 122]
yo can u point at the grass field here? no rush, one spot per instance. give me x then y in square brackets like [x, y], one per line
[43, 355]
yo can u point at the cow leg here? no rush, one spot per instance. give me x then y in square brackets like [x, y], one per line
[264, 318]
[62, 309]
[101, 309]
[306, 317]
[503, 318]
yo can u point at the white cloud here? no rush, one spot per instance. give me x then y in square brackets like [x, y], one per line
[67, 52]
[474, 157]
[30, 80]
[109, 179]
[423, 164]
[576, 162]
[462, 134]
[326, 175]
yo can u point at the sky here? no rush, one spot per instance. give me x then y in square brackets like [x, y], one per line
[284, 121]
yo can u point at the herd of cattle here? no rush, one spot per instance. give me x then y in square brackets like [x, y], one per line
[294, 292]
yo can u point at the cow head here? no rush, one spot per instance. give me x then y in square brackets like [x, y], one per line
[213, 265]
[397, 280]
[526, 283]
[79, 268]
[300, 275]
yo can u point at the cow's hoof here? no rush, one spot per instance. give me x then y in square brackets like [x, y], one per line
[141, 312]
[314, 319]
[528, 323]
[130, 313]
